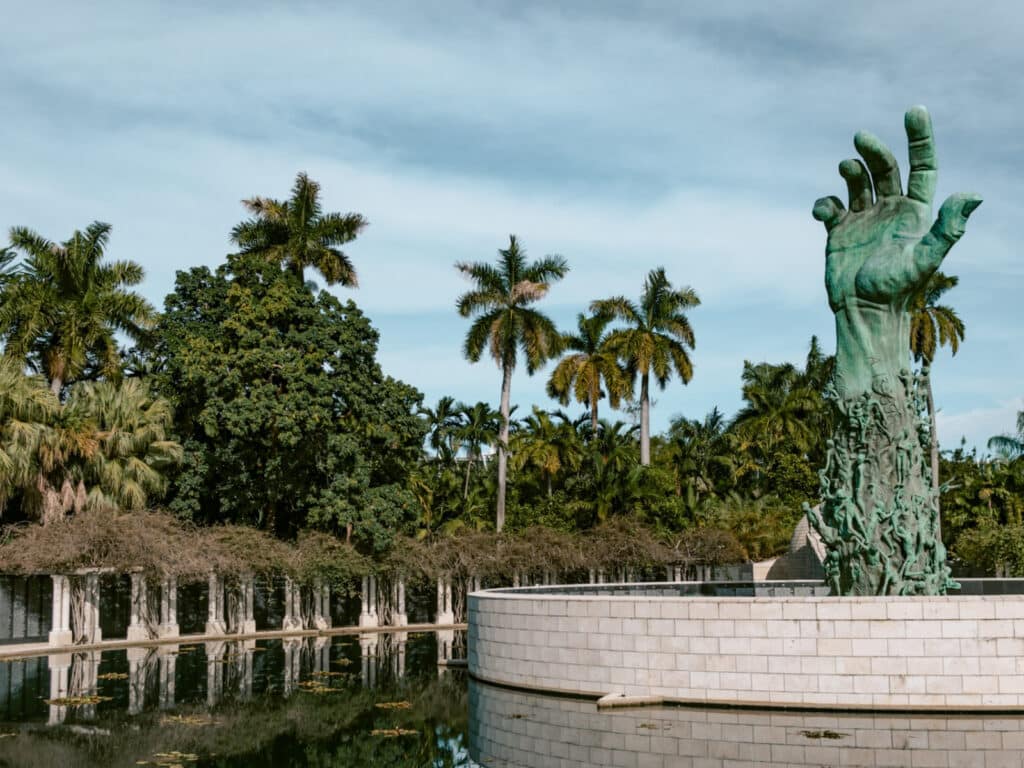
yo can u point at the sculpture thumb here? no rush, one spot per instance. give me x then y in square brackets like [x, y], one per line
[948, 228]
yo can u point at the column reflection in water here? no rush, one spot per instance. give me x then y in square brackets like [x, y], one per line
[60, 671]
[245, 653]
[445, 649]
[139, 661]
[369, 651]
[167, 657]
[214, 672]
[399, 640]
[292, 664]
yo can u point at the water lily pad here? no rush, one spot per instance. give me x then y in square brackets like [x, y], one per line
[393, 705]
[76, 701]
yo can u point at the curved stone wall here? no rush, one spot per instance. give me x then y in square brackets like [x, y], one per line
[956, 653]
[516, 728]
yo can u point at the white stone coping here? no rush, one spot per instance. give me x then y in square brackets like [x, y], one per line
[958, 652]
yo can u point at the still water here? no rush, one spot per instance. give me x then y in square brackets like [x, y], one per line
[385, 700]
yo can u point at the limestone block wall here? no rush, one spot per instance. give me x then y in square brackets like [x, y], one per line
[518, 728]
[948, 652]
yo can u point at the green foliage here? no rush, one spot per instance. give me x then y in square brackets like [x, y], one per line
[289, 421]
[60, 312]
[506, 324]
[655, 341]
[297, 233]
[592, 370]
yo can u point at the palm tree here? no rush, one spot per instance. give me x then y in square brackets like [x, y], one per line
[778, 407]
[26, 405]
[62, 310]
[297, 234]
[590, 365]
[478, 426]
[697, 449]
[547, 445]
[933, 325]
[441, 424]
[655, 342]
[1009, 447]
[505, 324]
[133, 453]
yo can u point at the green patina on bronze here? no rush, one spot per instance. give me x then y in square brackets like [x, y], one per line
[879, 514]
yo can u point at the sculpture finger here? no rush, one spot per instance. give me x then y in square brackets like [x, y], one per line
[885, 171]
[829, 210]
[948, 228]
[858, 182]
[924, 169]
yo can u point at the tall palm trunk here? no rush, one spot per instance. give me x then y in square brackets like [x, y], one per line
[595, 394]
[506, 395]
[465, 485]
[645, 420]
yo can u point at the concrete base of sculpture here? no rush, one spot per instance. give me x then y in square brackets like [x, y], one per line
[956, 653]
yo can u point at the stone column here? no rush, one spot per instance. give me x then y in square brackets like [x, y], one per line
[321, 605]
[399, 618]
[368, 603]
[292, 607]
[168, 607]
[60, 627]
[445, 612]
[167, 656]
[248, 589]
[91, 632]
[515, 579]
[138, 674]
[600, 576]
[215, 606]
[138, 629]
[60, 667]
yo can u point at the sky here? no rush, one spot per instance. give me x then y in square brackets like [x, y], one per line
[622, 136]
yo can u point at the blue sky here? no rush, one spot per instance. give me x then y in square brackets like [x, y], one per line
[623, 136]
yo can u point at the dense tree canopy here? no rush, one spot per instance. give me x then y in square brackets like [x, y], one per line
[288, 420]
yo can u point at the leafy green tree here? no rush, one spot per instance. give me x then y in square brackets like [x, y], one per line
[298, 234]
[591, 370]
[286, 418]
[505, 324]
[655, 342]
[934, 325]
[62, 311]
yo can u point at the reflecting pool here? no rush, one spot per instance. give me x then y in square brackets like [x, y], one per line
[393, 700]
